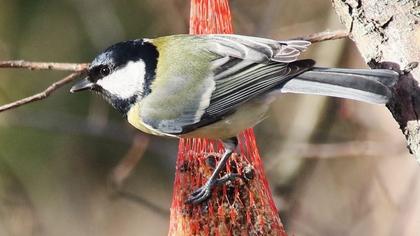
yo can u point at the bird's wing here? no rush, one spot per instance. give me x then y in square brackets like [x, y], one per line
[233, 89]
[241, 68]
[260, 50]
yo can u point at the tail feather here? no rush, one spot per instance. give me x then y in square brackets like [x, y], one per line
[372, 86]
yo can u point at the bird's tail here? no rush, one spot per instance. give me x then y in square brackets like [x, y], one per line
[372, 86]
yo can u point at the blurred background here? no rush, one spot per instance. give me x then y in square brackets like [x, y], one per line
[68, 163]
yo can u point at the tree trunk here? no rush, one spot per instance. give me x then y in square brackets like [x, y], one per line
[387, 33]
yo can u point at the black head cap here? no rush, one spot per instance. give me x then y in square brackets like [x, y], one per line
[115, 58]
[119, 54]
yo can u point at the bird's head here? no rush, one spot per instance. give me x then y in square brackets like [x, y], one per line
[122, 74]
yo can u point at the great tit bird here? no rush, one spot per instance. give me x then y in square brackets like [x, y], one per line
[215, 86]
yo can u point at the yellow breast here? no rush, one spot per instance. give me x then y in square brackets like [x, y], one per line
[133, 117]
[248, 115]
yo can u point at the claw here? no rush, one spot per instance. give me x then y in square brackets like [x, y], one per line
[204, 192]
[226, 178]
[196, 192]
[201, 194]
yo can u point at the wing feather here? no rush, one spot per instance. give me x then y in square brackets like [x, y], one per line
[256, 49]
[235, 90]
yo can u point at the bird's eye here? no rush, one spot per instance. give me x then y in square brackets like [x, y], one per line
[104, 71]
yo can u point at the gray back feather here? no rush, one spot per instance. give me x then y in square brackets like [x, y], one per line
[255, 49]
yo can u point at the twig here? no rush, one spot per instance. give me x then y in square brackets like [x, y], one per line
[348, 149]
[126, 166]
[44, 94]
[78, 68]
[324, 36]
[43, 65]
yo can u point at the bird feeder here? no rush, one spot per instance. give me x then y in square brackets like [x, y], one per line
[243, 206]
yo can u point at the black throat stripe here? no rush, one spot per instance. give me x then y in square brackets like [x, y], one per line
[150, 56]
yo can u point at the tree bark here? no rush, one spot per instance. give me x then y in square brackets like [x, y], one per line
[387, 33]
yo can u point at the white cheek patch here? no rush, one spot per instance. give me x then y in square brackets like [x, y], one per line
[126, 81]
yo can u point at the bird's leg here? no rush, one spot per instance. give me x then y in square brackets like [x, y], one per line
[204, 192]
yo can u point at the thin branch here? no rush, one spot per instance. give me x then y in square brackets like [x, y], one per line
[324, 36]
[348, 149]
[44, 94]
[125, 167]
[43, 65]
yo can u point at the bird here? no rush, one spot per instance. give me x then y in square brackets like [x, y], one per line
[217, 85]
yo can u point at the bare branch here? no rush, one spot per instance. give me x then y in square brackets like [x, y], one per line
[44, 94]
[324, 36]
[126, 166]
[348, 149]
[43, 65]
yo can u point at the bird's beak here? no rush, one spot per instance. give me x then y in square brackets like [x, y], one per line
[84, 84]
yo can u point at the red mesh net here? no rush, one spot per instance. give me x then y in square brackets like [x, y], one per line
[241, 207]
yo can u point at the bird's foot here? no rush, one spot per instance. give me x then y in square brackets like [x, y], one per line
[204, 192]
